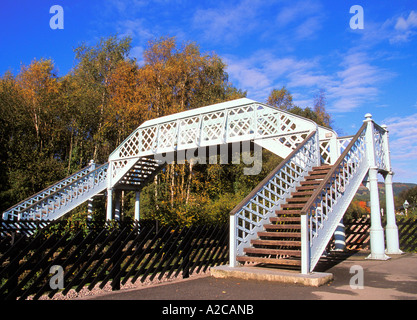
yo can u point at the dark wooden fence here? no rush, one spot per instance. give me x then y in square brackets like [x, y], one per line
[116, 253]
[112, 254]
[357, 233]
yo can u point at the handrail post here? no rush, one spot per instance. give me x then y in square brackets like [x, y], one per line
[233, 241]
[376, 231]
[305, 245]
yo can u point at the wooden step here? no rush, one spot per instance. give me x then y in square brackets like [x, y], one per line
[306, 187]
[310, 182]
[292, 205]
[279, 234]
[302, 193]
[287, 212]
[323, 167]
[289, 262]
[319, 172]
[282, 226]
[267, 251]
[284, 219]
[289, 243]
[298, 200]
[315, 177]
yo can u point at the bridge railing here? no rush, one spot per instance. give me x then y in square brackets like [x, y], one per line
[248, 217]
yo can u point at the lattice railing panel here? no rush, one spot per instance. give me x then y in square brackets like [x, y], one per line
[328, 205]
[380, 156]
[213, 126]
[16, 211]
[262, 202]
[68, 197]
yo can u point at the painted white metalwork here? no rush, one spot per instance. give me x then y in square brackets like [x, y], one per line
[66, 198]
[20, 210]
[327, 206]
[300, 141]
[234, 121]
[261, 203]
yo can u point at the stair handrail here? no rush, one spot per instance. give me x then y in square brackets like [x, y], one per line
[87, 176]
[79, 174]
[305, 157]
[325, 187]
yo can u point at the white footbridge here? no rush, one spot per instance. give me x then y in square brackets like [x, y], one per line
[281, 221]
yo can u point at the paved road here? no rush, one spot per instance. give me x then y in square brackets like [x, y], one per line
[394, 279]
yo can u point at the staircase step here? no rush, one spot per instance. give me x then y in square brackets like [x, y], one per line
[322, 167]
[287, 212]
[290, 262]
[310, 182]
[279, 234]
[289, 243]
[292, 205]
[306, 187]
[315, 177]
[319, 172]
[302, 193]
[298, 200]
[267, 251]
[281, 226]
[284, 219]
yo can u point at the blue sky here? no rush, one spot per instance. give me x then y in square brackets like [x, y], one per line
[304, 45]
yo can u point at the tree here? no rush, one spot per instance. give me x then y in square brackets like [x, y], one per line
[323, 118]
[92, 76]
[281, 99]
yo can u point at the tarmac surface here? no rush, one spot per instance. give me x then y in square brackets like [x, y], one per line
[355, 278]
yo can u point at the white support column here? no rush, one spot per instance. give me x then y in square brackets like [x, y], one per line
[376, 231]
[391, 230]
[90, 209]
[137, 205]
[232, 241]
[109, 215]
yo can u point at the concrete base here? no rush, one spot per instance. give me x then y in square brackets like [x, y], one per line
[314, 279]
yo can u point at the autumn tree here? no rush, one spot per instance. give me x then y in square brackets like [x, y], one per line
[323, 118]
[91, 79]
[281, 99]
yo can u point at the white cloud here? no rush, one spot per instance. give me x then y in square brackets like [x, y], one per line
[403, 146]
[402, 29]
[355, 83]
[402, 133]
[406, 24]
[226, 22]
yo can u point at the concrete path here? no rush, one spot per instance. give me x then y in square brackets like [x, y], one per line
[353, 278]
